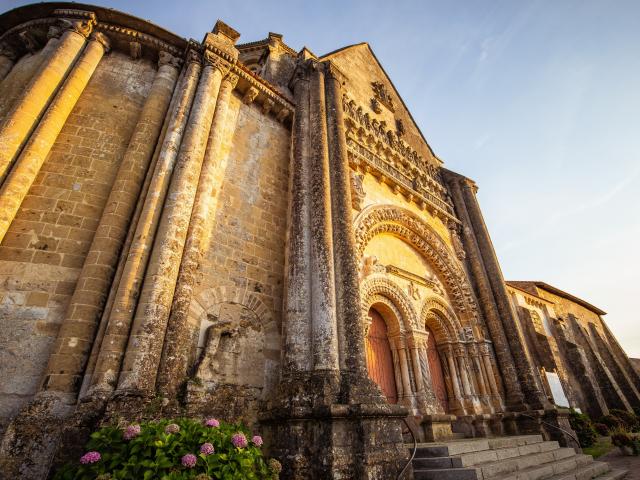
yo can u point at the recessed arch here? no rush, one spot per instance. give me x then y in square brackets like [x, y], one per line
[441, 319]
[377, 289]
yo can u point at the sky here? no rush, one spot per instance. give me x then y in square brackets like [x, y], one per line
[537, 101]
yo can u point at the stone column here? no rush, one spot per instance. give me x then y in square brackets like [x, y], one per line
[479, 376]
[414, 347]
[324, 333]
[462, 368]
[404, 370]
[297, 296]
[397, 368]
[36, 95]
[488, 367]
[175, 359]
[453, 371]
[92, 287]
[112, 348]
[534, 396]
[513, 392]
[144, 348]
[8, 57]
[17, 184]
[352, 361]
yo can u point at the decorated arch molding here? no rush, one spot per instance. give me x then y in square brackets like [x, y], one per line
[378, 289]
[378, 219]
[204, 302]
[441, 319]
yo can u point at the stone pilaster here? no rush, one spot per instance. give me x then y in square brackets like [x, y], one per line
[141, 362]
[513, 393]
[33, 155]
[8, 56]
[29, 106]
[534, 397]
[174, 364]
[67, 364]
[118, 324]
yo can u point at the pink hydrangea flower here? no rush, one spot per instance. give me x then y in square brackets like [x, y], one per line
[212, 422]
[172, 428]
[132, 431]
[90, 457]
[257, 440]
[206, 449]
[239, 440]
[189, 460]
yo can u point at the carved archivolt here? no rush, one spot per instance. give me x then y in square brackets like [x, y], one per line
[377, 219]
[441, 319]
[377, 289]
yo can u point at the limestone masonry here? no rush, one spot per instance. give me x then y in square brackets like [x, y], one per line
[262, 235]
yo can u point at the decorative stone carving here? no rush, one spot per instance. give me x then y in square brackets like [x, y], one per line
[102, 39]
[82, 27]
[372, 145]
[375, 220]
[165, 58]
[193, 56]
[370, 265]
[458, 247]
[250, 95]
[283, 114]
[378, 287]
[232, 79]
[400, 130]
[29, 41]
[216, 61]
[375, 106]
[8, 51]
[267, 106]
[467, 334]
[382, 94]
[135, 50]
[357, 191]
[414, 291]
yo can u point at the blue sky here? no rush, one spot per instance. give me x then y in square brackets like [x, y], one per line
[538, 101]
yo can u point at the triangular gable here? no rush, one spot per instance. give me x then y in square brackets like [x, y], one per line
[362, 68]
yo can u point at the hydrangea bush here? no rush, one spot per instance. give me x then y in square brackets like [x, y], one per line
[172, 450]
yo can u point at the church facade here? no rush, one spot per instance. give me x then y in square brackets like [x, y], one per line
[263, 235]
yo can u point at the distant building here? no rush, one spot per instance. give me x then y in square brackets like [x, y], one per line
[263, 235]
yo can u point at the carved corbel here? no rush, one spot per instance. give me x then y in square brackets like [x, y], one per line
[267, 106]
[135, 50]
[193, 56]
[250, 95]
[29, 41]
[283, 114]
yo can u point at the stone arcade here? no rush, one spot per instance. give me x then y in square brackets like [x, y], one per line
[264, 235]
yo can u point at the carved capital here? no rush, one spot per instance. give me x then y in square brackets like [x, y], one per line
[214, 60]
[102, 39]
[302, 71]
[165, 58]
[250, 95]
[334, 73]
[232, 80]
[193, 56]
[80, 26]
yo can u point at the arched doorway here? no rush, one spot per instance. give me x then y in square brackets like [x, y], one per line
[379, 357]
[438, 385]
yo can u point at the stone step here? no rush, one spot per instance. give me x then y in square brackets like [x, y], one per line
[593, 470]
[458, 447]
[616, 474]
[535, 466]
[484, 456]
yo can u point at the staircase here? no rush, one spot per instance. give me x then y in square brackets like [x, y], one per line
[506, 458]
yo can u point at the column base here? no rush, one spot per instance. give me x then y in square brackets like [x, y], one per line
[436, 427]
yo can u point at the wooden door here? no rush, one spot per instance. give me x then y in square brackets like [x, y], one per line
[379, 358]
[438, 385]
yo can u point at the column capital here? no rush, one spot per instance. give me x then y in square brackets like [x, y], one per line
[216, 61]
[193, 55]
[165, 58]
[304, 66]
[333, 72]
[102, 39]
[231, 79]
[82, 27]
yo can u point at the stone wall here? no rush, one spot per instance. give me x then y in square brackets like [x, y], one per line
[46, 245]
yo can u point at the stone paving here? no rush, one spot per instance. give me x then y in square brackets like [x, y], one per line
[617, 460]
